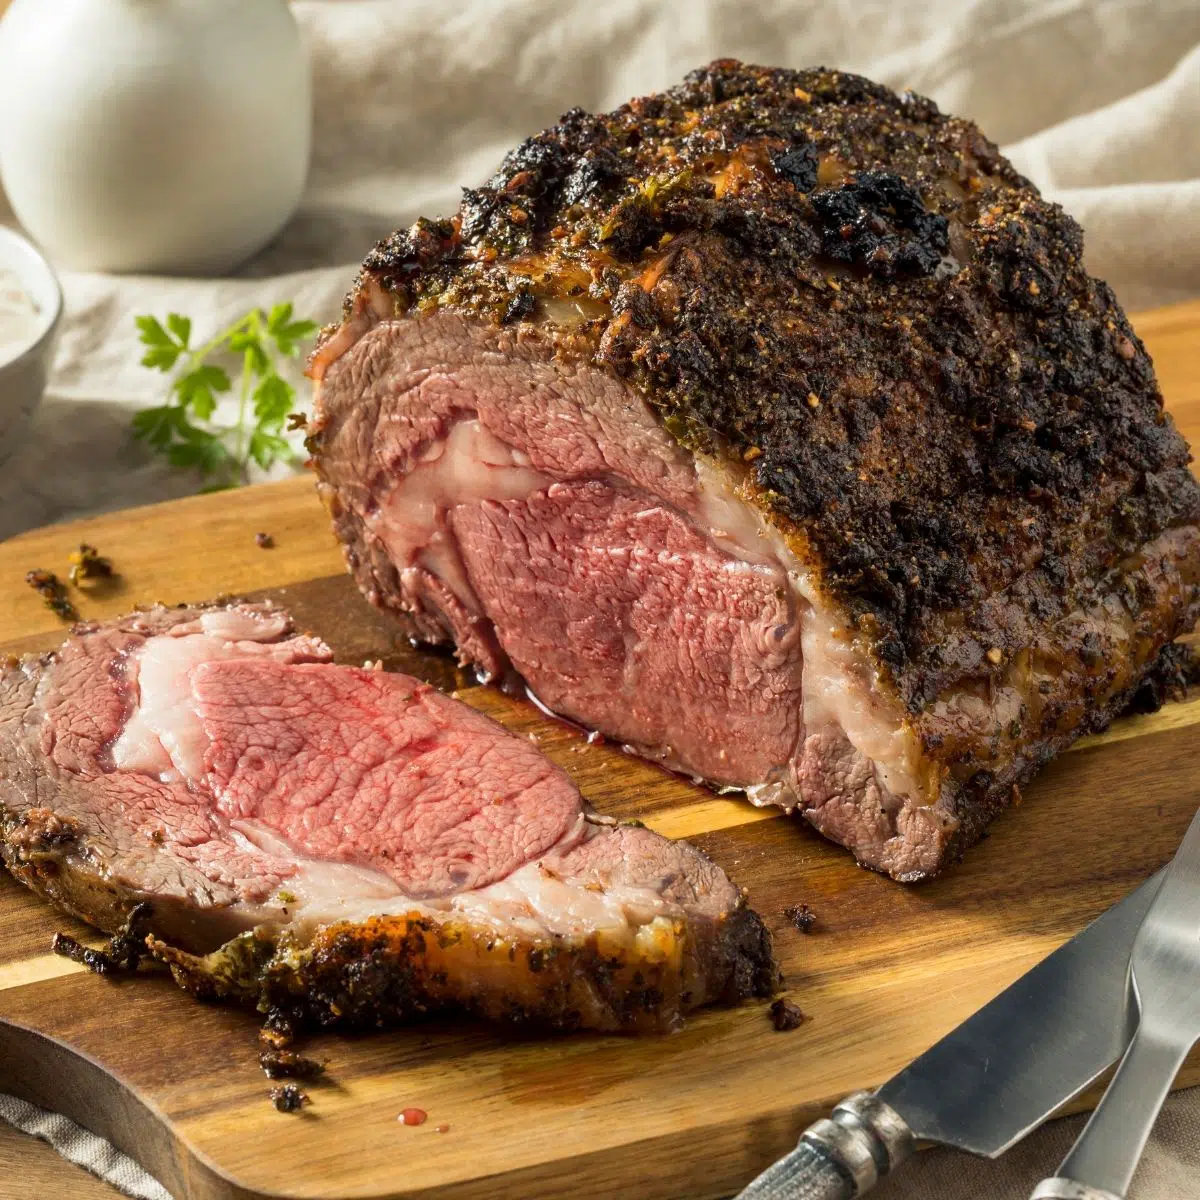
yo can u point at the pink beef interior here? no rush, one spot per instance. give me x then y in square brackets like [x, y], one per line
[675, 645]
[251, 759]
[377, 769]
[539, 516]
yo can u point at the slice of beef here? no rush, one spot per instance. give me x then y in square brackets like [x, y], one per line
[773, 427]
[346, 843]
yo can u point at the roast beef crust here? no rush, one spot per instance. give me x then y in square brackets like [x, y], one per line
[387, 970]
[890, 338]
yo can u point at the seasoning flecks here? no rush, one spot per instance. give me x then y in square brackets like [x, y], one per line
[54, 592]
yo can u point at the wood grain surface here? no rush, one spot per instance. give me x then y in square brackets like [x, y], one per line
[887, 971]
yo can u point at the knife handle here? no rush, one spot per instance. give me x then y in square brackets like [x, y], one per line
[838, 1158]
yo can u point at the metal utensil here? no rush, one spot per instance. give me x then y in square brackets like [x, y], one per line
[987, 1084]
[1165, 973]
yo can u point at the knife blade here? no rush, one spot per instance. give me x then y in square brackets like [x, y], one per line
[985, 1085]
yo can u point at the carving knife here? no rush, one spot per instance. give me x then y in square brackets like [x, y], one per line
[992, 1080]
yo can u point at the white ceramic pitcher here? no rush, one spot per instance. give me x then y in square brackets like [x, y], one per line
[153, 135]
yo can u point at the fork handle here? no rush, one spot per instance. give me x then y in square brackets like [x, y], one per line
[1101, 1163]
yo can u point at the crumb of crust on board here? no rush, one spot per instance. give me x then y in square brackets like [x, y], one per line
[53, 591]
[786, 1015]
[126, 949]
[87, 563]
[802, 917]
[288, 1098]
[287, 1064]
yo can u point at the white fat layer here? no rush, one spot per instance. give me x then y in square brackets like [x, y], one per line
[163, 735]
[839, 687]
[533, 900]
[468, 466]
[841, 690]
[239, 624]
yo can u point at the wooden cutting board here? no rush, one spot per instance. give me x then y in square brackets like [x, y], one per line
[887, 971]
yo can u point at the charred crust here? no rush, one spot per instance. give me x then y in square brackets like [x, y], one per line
[287, 1098]
[802, 917]
[124, 953]
[278, 1028]
[798, 165]
[287, 1064]
[974, 804]
[1175, 670]
[39, 833]
[879, 222]
[388, 970]
[519, 308]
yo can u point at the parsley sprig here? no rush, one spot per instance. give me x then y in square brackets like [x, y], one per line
[183, 428]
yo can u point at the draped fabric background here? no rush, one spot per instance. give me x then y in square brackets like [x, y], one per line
[1098, 101]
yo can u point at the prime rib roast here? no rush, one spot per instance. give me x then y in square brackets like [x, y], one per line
[344, 844]
[772, 427]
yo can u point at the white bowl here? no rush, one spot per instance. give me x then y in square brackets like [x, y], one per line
[23, 378]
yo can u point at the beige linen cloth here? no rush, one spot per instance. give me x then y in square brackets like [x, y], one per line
[1098, 102]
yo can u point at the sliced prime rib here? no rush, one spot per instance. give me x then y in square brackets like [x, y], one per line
[773, 427]
[347, 844]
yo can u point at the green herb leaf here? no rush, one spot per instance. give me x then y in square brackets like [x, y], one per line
[273, 400]
[163, 350]
[265, 448]
[286, 333]
[181, 327]
[195, 389]
[157, 425]
[182, 429]
[161, 357]
[278, 317]
[152, 333]
[249, 345]
[202, 450]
